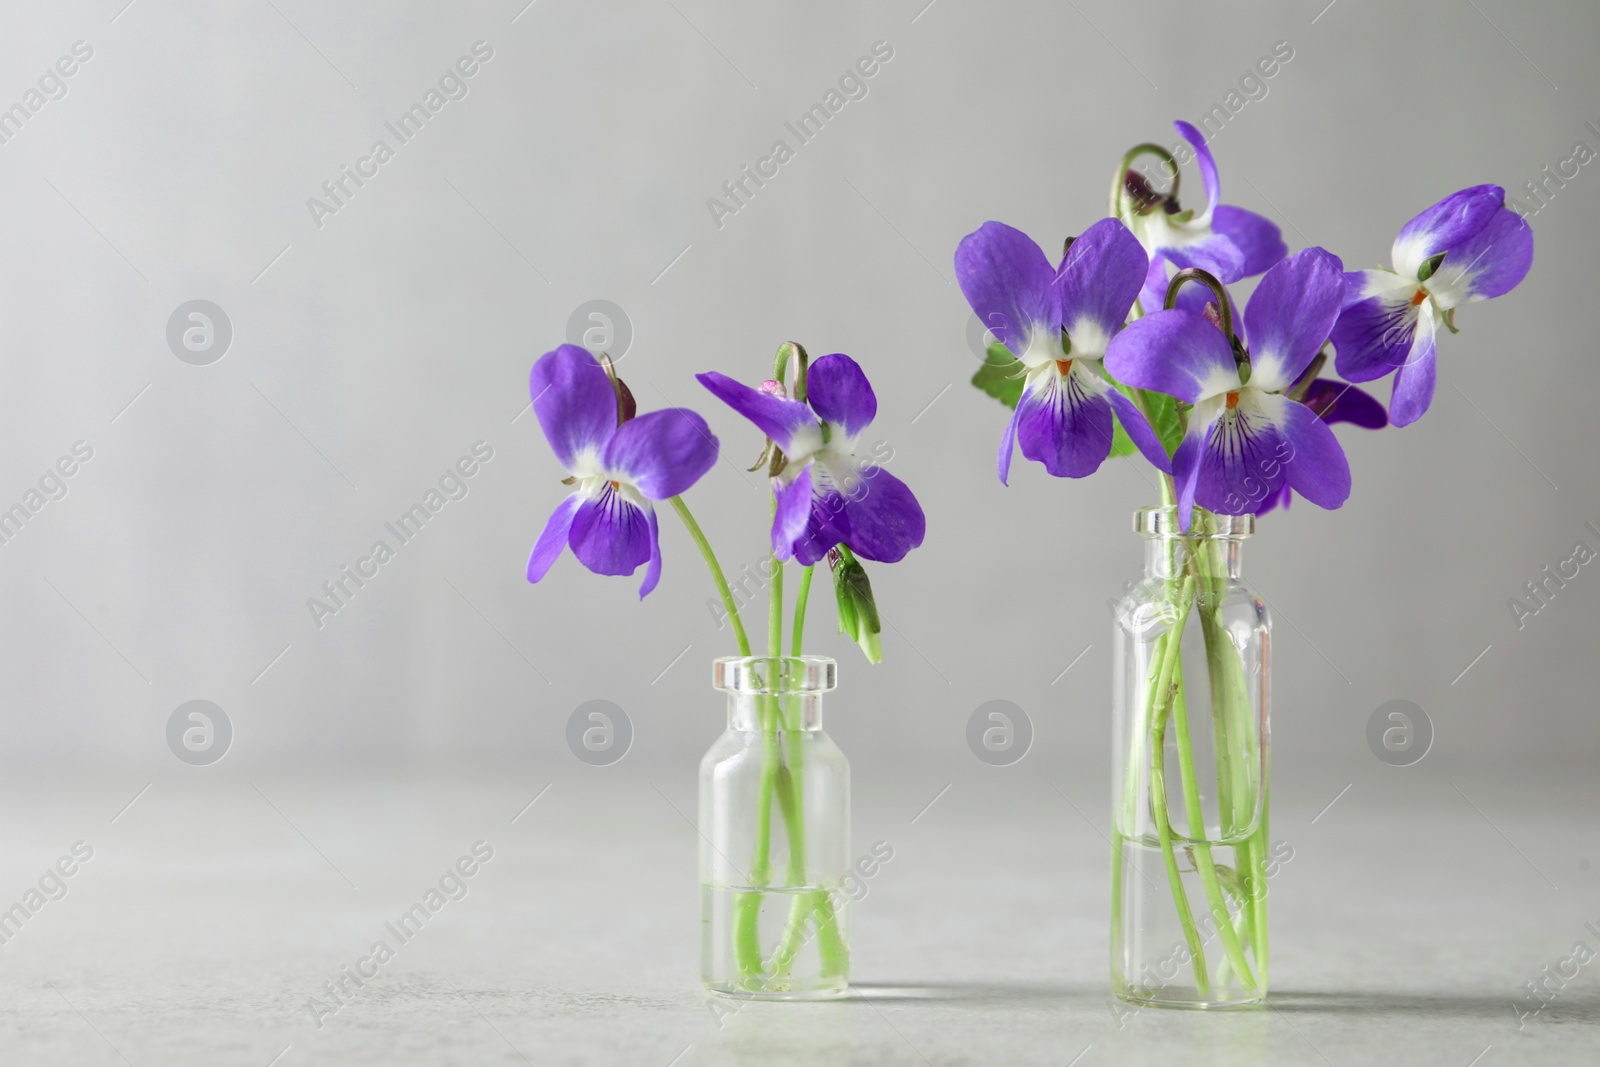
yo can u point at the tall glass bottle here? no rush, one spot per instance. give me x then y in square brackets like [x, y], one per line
[774, 836]
[1190, 766]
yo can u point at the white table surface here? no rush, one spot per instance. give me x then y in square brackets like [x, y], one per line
[214, 907]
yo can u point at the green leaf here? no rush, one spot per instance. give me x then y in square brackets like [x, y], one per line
[1427, 269]
[1163, 412]
[1001, 375]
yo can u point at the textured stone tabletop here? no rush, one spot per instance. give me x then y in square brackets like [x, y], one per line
[212, 913]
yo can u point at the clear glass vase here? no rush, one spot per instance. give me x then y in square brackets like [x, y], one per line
[1190, 766]
[774, 837]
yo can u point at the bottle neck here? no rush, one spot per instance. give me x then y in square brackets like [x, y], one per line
[1168, 556]
[755, 711]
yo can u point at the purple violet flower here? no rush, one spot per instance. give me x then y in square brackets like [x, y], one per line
[1334, 401]
[826, 494]
[1245, 439]
[1228, 242]
[1469, 246]
[1058, 324]
[617, 467]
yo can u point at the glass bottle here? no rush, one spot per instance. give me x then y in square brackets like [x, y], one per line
[1189, 776]
[774, 836]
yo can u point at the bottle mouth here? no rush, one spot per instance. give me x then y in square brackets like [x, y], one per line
[1163, 522]
[773, 675]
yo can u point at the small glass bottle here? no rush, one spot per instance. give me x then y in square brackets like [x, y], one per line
[1189, 773]
[774, 836]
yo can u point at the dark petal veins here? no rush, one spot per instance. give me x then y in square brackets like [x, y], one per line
[1243, 463]
[1373, 337]
[610, 535]
[1065, 427]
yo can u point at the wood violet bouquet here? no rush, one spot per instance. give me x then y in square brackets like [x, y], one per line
[1132, 342]
[774, 903]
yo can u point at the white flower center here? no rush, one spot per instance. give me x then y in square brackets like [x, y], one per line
[1044, 347]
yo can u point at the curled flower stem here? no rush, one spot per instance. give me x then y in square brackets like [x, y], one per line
[1195, 274]
[1119, 181]
[793, 352]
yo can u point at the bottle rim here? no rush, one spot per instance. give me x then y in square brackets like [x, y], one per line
[774, 675]
[1162, 521]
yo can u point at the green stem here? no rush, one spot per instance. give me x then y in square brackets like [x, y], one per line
[774, 774]
[830, 944]
[1170, 643]
[761, 866]
[1241, 922]
[831, 948]
[747, 935]
[1257, 852]
[771, 757]
[800, 598]
[1197, 837]
[791, 794]
[780, 777]
[833, 952]
[775, 608]
[747, 906]
[716, 573]
[794, 933]
[1241, 761]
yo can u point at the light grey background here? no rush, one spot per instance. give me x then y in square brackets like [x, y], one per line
[372, 351]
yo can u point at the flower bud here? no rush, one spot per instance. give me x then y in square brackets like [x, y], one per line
[858, 609]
